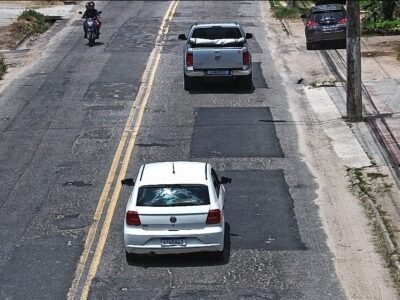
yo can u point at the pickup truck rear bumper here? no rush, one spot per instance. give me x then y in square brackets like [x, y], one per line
[203, 73]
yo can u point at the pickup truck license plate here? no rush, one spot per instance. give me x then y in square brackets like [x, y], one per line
[218, 72]
[177, 242]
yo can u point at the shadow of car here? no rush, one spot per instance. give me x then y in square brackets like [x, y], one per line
[326, 24]
[219, 86]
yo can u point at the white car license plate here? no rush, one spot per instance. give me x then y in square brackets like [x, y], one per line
[218, 72]
[178, 242]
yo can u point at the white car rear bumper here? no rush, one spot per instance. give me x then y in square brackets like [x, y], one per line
[137, 240]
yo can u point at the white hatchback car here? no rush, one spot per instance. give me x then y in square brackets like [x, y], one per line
[175, 207]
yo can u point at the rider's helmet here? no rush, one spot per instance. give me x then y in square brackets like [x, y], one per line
[91, 5]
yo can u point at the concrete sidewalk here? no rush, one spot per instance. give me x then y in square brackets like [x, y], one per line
[370, 150]
[380, 76]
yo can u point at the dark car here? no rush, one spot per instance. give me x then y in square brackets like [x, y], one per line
[326, 24]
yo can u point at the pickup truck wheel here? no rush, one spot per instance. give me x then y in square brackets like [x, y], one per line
[310, 46]
[247, 82]
[187, 83]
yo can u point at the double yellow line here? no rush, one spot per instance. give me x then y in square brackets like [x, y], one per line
[87, 266]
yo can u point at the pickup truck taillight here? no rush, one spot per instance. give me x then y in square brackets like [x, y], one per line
[342, 21]
[189, 59]
[132, 218]
[246, 58]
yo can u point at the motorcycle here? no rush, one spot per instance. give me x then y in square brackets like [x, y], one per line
[90, 25]
[91, 31]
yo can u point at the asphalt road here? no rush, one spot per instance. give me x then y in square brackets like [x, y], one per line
[61, 124]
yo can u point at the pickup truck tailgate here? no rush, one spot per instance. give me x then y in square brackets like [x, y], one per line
[217, 58]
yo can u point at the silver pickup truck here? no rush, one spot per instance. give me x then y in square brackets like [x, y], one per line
[217, 50]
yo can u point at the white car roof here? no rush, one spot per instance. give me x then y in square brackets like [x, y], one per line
[179, 172]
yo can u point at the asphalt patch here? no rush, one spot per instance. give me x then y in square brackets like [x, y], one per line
[136, 35]
[44, 265]
[259, 209]
[234, 132]
[101, 93]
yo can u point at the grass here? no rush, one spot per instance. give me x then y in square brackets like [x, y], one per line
[381, 26]
[323, 83]
[362, 187]
[3, 67]
[32, 22]
[374, 175]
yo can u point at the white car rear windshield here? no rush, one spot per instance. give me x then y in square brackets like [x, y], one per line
[173, 195]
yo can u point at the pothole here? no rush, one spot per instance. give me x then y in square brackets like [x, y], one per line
[77, 183]
[71, 221]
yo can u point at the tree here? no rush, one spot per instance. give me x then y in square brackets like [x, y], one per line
[381, 9]
[388, 7]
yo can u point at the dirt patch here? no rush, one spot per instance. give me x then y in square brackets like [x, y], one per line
[32, 4]
[378, 53]
[12, 34]
[379, 46]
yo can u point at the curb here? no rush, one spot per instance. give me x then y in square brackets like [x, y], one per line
[21, 41]
[287, 29]
[388, 243]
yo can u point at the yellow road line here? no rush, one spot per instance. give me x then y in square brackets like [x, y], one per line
[147, 84]
[104, 195]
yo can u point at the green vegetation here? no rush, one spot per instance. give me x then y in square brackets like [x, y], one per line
[368, 190]
[323, 83]
[381, 26]
[374, 175]
[281, 11]
[32, 22]
[380, 18]
[3, 67]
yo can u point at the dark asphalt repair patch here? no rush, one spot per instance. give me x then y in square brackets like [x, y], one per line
[234, 132]
[258, 78]
[259, 209]
[137, 34]
[41, 265]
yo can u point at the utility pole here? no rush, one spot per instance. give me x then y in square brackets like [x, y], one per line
[354, 96]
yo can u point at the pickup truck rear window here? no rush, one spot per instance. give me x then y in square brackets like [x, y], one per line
[214, 33]
[173, 195]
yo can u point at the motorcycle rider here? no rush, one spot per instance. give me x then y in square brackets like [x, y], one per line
[91, 12]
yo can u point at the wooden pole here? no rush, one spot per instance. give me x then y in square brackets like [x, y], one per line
[354, 96]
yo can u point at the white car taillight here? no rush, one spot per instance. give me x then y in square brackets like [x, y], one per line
[132, 218]
[214, 216]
